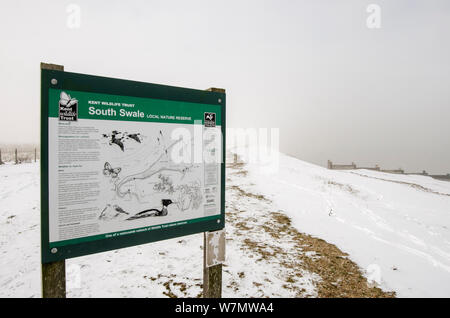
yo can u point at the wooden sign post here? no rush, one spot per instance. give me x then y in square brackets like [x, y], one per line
[54, 273]
[213, 251]
[213, 257]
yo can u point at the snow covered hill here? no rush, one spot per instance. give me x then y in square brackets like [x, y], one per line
[304, 231]
[395, 227]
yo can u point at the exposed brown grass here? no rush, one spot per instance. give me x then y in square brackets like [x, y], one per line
[248, 194]
[341, 277]
[345, 187]
[168, 291]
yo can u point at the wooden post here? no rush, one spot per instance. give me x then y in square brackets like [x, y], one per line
[53, 274]
[54, 280]
[213, 257]
[213, 254]
[1, 162]
[15, 151]
[34, 154]
[330, 164]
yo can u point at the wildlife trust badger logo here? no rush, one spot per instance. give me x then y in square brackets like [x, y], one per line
[210, 119]
[68, 107]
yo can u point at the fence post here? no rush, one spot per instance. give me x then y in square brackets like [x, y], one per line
[329, 164]
[34, 154]
[1, 162]
[15, 151]
[53, 274]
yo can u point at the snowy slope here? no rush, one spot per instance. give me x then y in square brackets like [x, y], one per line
[397, 227]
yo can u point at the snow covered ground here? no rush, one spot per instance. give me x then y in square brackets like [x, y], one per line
[19, 230]
[395, 227]
[171, 268]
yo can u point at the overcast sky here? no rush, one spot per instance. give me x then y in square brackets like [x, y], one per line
[336, 89]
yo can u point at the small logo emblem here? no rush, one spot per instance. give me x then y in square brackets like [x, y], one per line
[210, 120]
[68, 107]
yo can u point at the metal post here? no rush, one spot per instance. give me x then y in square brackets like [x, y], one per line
[53, 274]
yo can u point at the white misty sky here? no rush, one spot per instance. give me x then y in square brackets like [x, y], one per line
[336, 89]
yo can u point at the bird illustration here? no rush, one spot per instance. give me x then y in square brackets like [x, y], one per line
[153, 212]
[115, 140]
[135, 137]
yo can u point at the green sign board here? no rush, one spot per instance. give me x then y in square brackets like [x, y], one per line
[125, 163]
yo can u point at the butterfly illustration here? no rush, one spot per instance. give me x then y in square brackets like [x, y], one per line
[66, 100]
[110, 171]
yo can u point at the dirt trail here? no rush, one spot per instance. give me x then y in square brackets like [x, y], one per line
[303, 265]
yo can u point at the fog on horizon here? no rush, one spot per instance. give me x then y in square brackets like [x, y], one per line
[336, 87]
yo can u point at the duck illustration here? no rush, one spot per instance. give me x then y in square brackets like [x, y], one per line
[153, 212]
